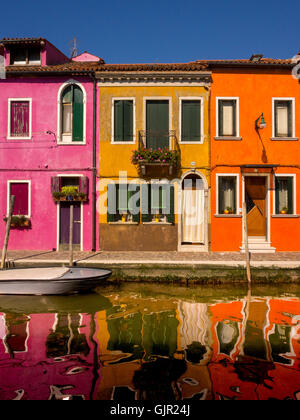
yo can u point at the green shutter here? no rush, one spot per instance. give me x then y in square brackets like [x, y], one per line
[118, 121]
[123, 120]
[157, 124]
[111, 203]
[77, 114]
[146, 213]
[132, 191]
[171, 215]
[191, 121]
[234, 131]
[220, 196]
[128, 120]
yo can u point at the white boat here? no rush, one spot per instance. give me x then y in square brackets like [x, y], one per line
[51, 280]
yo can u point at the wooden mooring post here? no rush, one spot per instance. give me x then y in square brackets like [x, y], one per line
[71, 235]
[246, 244]
[7, 232]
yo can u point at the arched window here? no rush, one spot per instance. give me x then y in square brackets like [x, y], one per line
[71, 114]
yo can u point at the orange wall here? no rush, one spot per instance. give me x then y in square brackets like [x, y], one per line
[255, 91]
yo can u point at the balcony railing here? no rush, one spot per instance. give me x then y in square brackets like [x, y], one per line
[150, 139]
[158, 153]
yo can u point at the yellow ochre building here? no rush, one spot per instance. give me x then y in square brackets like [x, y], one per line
[154, 151]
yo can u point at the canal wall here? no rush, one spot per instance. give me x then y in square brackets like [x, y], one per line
[202, 273]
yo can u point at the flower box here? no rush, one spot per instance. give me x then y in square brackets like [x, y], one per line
[69, 198]
[19, 221]
[160, 158]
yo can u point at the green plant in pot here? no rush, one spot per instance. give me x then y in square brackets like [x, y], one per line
[70, 192]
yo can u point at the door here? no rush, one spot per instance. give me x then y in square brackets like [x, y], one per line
[157, 124]
[192, 211]
[65, 225]
[255, 196]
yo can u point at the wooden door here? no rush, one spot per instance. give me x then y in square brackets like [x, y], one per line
[255, 195]
[65, 224]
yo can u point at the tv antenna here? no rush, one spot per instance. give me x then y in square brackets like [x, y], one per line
[73, 49]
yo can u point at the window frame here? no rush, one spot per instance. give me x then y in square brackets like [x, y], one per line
[294, 197]
[237, 118]
[237, 195]
[165, 217]
[117, 217]
[287, 99]
[19, 181]
[60, 141]
[9, 135]
[159, 98]
[26, 62]
[192, 98]
[123, 98]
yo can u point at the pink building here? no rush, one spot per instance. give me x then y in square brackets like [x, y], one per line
[48, 132]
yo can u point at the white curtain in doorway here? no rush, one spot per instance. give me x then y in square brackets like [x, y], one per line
[193, 216]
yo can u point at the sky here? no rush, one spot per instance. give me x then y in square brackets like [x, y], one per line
[165, 31]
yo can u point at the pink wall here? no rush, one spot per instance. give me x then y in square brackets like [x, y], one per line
[40, 158]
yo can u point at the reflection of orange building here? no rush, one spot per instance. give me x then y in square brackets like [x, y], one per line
[251, 162]
[255, 349]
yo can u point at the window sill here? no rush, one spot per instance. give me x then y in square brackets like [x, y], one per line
[158, 223]
[228, 215]
[17, 139]
[71, 143]
[228, 138]
[284, 138]
[285, 216]
[123, 223]
[122, 142]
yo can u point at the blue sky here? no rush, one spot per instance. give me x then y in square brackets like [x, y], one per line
[132, 31]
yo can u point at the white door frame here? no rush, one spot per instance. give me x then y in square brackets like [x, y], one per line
[268, 201]
[58, 215]
[201, 247]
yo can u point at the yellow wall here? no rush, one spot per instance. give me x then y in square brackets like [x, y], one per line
[115, 158]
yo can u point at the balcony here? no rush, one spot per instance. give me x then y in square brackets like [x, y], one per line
[158, 153]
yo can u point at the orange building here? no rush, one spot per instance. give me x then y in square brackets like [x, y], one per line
[255, 155]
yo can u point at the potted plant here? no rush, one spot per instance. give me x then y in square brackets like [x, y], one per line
[157, 218]
[228, 210]
[124, 217]
[18, 221]
[284, 210]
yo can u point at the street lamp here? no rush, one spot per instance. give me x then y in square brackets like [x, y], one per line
[262, 123]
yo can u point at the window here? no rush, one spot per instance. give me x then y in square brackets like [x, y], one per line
[190, 120]
[25, 56]
[21, 190]
[123, 203]
[227, 117]
[283, 118]
[284, 195]
[227, 195]
[158, 203]
[72, 115]
[19, 119]
[123, 120]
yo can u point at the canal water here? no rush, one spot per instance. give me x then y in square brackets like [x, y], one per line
[152, 342]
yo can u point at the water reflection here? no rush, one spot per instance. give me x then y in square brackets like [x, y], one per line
[121, 344]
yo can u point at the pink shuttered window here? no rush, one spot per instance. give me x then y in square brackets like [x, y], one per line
[19, 118]
[21, 191]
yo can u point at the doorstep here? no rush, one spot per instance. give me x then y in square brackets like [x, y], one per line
[258, 245]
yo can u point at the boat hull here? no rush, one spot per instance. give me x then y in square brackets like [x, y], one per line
[75, 280]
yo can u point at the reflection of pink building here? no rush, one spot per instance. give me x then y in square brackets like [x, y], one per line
[48, 142]
[46, 356]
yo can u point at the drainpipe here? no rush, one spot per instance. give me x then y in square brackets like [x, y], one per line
[94, 197]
